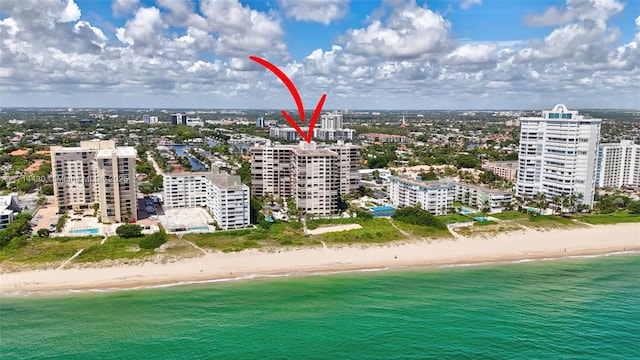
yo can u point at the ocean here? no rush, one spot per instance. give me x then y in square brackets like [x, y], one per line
[578, 308]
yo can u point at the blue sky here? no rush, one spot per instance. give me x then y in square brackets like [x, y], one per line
[394, 54]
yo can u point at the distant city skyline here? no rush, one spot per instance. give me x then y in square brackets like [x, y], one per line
[391, 55]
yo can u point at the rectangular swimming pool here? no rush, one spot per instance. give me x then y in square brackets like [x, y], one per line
[198, 228]
[84, 231]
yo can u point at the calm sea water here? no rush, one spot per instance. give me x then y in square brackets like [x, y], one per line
[587, 308]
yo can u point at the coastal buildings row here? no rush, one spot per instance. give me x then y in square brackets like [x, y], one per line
[224, 195]
[330, 128]
[313, 175]
[618, 165]
[437, 197]
[96, 172]
[558, 155]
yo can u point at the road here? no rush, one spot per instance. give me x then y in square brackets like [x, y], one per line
[153, 162]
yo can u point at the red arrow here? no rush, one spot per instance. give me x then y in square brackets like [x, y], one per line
[296, 96]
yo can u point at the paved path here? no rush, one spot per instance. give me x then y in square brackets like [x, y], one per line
[69, 259]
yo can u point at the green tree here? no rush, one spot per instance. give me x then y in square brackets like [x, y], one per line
[146, 188]
[129, 231]
[43, 233]
[47, 190]
[157, 181]
[467, 161]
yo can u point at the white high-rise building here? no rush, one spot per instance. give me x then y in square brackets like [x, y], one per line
[96, 172]
[618, 165]
[558, 154]
[224, 195]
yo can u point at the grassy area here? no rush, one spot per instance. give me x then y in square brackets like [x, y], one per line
[613, 218]
[452, 218]
[548, 222]
[487, 230]
[484, 223]
[373, 231]
[48, 250]
[277, 234]
[421, 232]
[113, 248]
[510, 215]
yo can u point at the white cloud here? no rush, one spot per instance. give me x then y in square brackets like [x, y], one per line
[471, 54]
[121, 8]
[241, 31]
[469, 3]
[322, 11]
[144, 29]
[180, 55]
[410, 31]
[597, 10]
[71, 12]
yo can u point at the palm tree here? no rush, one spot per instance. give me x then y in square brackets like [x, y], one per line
[556, 204]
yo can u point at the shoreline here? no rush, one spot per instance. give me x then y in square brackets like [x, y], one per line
[514, 247]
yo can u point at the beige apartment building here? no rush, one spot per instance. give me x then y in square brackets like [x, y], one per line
[504, 169]
[96, 172]
[313, 175]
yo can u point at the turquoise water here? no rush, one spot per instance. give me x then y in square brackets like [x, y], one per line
[587, 308]
[198, 228]
[465, 211]
[84, 231]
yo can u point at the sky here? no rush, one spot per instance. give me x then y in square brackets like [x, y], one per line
[387, 55]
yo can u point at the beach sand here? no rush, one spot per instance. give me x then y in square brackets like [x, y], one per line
[505, 247]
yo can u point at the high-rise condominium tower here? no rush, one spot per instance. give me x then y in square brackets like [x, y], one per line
[558, 153]
[96, 172]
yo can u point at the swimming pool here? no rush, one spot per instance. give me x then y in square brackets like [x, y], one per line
[377, 211]
[198, 228]
[85, 231]
[465, 211]
[480, 218]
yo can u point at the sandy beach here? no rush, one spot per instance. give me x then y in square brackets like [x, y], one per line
[506, 247]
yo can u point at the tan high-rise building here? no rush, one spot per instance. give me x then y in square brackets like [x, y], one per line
[96, 172]
[314, 176]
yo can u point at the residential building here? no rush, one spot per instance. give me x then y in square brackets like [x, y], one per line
[96, 172]
[480, 196]
[384, 138]
[436, 197]
[328, 129]
[314, 176]
[9, 208]
[558, 155]
[618, 165]
[504, 169]
[224, 195]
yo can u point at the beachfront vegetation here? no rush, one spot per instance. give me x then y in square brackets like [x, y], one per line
[488, 229]
[129, 231]
[46, 250]
[418, 216]
[374, 230]
[113, 248]
[510, 215]
[610, 218]
[16, 232]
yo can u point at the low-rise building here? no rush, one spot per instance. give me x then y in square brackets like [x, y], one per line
[504, 169]
[436, 197]
[480, 197]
